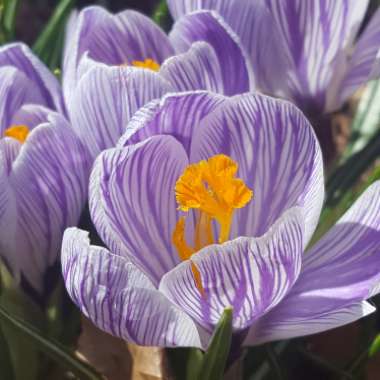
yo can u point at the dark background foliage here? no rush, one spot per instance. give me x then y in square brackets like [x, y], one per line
[37, 13]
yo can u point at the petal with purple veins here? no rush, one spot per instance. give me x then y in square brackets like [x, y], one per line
[119, 298]
[343, 267]
[278, 155]
[21, 57]
[105, 100]
[251, 275]
[111, 39]
[49, 188]
[315, 35]
[364, 63]
[31, 115]
[197, 69]
[282, 323]
[209, 27]
[132, 202]
[16, 89]
[178, 115]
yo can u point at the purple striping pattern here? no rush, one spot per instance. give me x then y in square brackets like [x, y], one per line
[275, 291]
[119, 298]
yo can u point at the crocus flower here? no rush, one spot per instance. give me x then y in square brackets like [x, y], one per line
[208, 202]
[307, 51]
[43, 167]
[114, 64]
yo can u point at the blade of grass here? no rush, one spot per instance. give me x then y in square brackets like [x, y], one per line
[50, 347]
[49, 44]
[5, 358]
[8, 18]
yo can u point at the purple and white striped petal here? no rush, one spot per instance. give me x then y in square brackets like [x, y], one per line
[31, 115]
[253, 23]
[281, 323]
[105, 100]
[8, 150]
[78, 29]
[119, 298]
[197, 69]
[364, 63]
[315, 34]
[132, 202]
[338, 274]
[178, 115]
[16, 89]
[49, 190]
[114, 40]
[344, 266]
[278, 155]
[21, 57]
[251, 275]
[209, 27]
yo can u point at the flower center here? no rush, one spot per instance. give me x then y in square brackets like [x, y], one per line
[210, 187]
[18, 132]
[148, 63]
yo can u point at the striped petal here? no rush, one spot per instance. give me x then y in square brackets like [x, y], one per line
[314, 34]
[209, 27]
[259, 36]
[114, 40]
[9, 149]
[132, 202]
[48, 188]
[178, 115]
[31, 115]
[344, 266]
[278, 155]
[281, 323]
[338, 274]
[78, 30]
[365, 60]
[105, 100]
[16, 89]
[197, 69]
[21, 57]
[251, 275]
[119, 298]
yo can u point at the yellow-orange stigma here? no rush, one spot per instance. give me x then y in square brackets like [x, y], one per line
[212, 189]
[18, 132]
[148, 63]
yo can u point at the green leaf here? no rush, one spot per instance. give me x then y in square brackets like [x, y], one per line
[215, 358]
[49, 347]
[5, 358]
[8, 17]
[13, 299]
[49, 44]
[374, 347]
[161, 15]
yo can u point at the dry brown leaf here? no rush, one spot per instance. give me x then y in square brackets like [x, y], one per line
[109, 355]
[149, 363]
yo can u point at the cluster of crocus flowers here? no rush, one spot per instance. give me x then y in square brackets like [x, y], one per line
[307, 51]
[209, 202]
[43, 167]
[116, 63]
